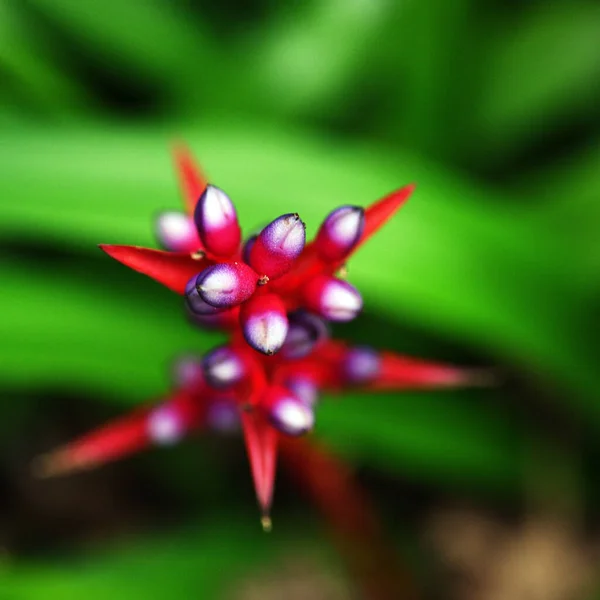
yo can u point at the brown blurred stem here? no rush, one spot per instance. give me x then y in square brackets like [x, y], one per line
[351, 519]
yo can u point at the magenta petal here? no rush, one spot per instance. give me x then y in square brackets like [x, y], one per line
[172, 269]
[224, 367]
[176, 232]
[332, 298]
[195, 303]
[217, 222]
[339, 233]
[287, 413]
[226, 284]
[264, 323]
[278, 245]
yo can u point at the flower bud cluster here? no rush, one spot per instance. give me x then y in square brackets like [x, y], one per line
[274, 294]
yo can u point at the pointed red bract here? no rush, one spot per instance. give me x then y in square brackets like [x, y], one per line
[399, 372]
[380, 212]
[122, 437]
[191, 178]
[261, 446]
[172, 269]
[111, 442]
[309, 264]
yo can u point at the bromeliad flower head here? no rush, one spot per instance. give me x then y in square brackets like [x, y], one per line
[273, 398]
[223, 278]
[273, 294]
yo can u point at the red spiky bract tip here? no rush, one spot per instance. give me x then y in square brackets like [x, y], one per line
[397, 372]
[111, 442]
[191, 178]
[380, 212]
[124, 436]
[261, 446]
[172, 269]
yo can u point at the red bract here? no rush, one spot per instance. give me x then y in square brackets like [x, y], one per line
[274, 293]
[273, 396]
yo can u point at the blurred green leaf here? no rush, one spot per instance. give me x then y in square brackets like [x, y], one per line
[156, 39]
[59, 330]
[449, 437]
[537, 69]
[448, 261]
[209, 559]
[31, 69]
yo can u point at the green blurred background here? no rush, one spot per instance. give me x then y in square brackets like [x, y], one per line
[490, 106]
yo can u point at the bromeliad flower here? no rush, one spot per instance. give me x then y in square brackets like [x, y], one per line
[273, 398]
[255, 283]
[273, 294]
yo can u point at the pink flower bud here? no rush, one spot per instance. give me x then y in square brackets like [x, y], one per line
[195, 303]
[287, 413]
[306, 330]
[361, 365]
[278, 245]
[177, 232]
[340, 232]
[223, 416]
[226, 284]
[264, 322]
[165, 425]
[187, 371]
[223, 367]
[217, 222]
[332, 298]
[303, 388]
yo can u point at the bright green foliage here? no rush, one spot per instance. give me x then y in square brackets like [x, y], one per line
[305, 108]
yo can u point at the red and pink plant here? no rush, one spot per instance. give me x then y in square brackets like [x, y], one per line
[273, 295]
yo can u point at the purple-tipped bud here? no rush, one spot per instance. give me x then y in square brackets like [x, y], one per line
[223, 416]
[278, 245]
[340, 232]
[306, 330]
[226, 284]
[361, 365]
[223, 367]
[287, 413]
[248, 244]
[177, 232]
[195, 302]
[333, 299]
[264, 323]
[188, 371]
[217, 222]
[303, 388]
[165, 425]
